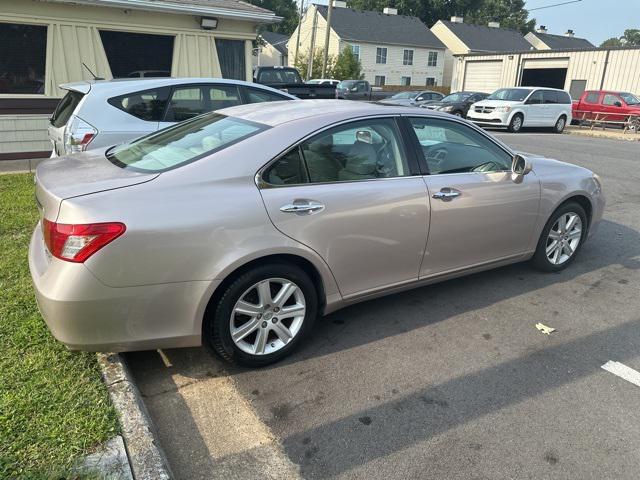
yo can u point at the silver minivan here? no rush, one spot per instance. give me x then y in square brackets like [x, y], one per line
[101, 113]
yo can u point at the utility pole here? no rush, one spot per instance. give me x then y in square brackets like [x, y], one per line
[327, 34]
[313, 44]
[295, 56]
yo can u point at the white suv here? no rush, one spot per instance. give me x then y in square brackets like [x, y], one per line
[518, 107]
[95, 114]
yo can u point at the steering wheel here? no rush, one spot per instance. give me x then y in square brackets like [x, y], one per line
[486, 167]
[437, 156]
[384, 159]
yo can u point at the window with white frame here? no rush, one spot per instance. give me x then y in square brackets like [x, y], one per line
[407, 58]
[356, 51]
[433, 59]
[381, 55]
[431, 82]
[380, 79]
[405, 81]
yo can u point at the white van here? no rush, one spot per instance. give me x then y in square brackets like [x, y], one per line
[518, 107]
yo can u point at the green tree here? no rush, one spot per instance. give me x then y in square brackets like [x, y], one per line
[510, 13]
[316, 70]
[611, 42]
[287, 9]
[630, 38]
[347, 66]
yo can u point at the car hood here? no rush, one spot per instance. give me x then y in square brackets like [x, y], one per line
[543, 166]
[71, 176]
[399, 101]
[446, 104]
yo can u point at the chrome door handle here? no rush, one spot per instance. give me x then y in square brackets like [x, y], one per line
[446, 194]
[307, 207]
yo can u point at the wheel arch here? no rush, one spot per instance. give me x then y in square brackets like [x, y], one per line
[290, 258]
[582, 200]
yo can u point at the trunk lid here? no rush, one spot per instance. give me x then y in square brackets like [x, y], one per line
[80, 174]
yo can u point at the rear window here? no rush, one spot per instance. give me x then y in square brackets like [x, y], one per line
[65, 108]
[183, 143]
[279, 76]
[146, 105]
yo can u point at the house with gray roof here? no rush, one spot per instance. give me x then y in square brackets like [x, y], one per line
[272, 50]
[393, 49]
[464, 38]
[542, 40]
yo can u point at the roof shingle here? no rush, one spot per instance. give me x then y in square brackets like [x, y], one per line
[558, 42]
[380, 28]
[277, 40]
[480, 38]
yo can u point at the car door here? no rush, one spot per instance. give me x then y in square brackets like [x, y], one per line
[612, 105]
[353, 194]
[552, 107]
[191, 100]
[479, 214]
[534, 115]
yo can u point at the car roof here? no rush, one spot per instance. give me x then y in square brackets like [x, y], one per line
[125, 85]
[277, 113]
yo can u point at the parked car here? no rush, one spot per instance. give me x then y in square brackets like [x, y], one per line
[456, 103]
[515, 108]
[324, 81]
[413, 98]
[288, 80]
[101, 113]
[238, 227]
[359, 90]
[613, 106]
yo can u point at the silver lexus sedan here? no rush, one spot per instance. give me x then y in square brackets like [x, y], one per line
[238, 227]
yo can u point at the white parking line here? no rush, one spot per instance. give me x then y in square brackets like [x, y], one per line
[621, 370]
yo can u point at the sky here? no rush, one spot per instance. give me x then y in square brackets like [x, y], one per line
[595, 20]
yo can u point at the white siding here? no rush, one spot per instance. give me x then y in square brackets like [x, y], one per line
[622, 71]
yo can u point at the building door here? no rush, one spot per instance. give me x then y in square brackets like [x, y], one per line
[482, 76]
[547, 72]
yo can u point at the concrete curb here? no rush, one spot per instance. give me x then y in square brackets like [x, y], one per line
[628, 137]
[145, 455]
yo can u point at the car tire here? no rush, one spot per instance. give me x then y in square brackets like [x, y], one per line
[265, 324]
[553, 259]
[458, 113]
[515, 125]
[560, 124]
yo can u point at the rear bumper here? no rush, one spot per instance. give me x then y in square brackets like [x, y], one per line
[85, 314]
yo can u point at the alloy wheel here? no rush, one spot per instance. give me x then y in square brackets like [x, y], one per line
[267, 316]
[517, 123]
[564, 238]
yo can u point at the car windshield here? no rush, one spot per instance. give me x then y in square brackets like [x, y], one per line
[510, 94]
[347, 84]
[630, 98]
[405, 96]
[456, 97]
[182, 143]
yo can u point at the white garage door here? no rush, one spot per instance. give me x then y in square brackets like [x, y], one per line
[482, 76]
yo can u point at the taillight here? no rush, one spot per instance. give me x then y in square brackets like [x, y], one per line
[78, 135]
[76, 243]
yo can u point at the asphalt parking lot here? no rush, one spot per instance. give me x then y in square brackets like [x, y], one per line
[447, 381]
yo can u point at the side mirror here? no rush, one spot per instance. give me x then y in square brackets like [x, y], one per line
[617, 104]
[520, 166]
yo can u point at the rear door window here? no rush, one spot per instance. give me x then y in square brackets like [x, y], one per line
[146, 105]
[65, 108]
[192, 100]
[183, 143]
[592, 97]
[255, 95]
[550, 96]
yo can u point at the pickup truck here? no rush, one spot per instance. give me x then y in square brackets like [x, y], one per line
[604, 105]
[359, 90]
[288, 80]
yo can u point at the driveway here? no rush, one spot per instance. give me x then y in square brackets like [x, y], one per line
[447, 381]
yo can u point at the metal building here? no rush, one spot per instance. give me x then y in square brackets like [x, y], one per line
[574, 70]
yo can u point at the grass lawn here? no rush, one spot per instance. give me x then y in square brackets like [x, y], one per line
[53, 404]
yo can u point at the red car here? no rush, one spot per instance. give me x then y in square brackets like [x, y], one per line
[606, 105]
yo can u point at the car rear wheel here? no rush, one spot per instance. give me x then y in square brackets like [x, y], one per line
[263, 315]
[561, 238]
[515, 125]
[560, 124]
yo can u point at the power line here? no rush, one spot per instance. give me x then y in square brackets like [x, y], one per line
[553, 5]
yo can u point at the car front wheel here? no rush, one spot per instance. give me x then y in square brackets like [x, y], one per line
[515, 125]
[263, 315]
[561, 238]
